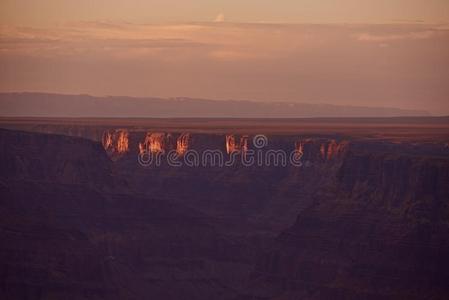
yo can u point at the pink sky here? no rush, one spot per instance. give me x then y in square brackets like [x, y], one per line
[227, 51]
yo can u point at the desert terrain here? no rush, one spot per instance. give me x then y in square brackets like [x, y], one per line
[366, 216]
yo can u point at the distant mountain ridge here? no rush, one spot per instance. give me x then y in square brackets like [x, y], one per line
[59, 105]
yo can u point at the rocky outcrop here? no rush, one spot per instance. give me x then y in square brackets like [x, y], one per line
[236, 144]
[380, 230]
[161, 142]
[77, 222]
[116, 142]
[183, 143]
[66, 234]
[43, 157]
[155, 143]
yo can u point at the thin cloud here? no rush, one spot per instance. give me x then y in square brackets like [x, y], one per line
[235, 60]
[219, 18]
[420, 35]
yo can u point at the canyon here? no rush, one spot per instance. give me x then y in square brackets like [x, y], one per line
[366, 215]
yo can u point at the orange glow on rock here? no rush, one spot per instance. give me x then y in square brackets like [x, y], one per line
[235, 145]
[116, 142]
[182, 144]
[154, 143]
[123, 142]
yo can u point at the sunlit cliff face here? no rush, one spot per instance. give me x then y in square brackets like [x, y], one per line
[244, 144]
[299, 147]
[123, 142]
[233, 144]
[332, 149]
[154, 143]
[116, 142]
[158, 142]
[182, 144]
[327, 150]
[230, 144]
[107, 140]
[323, 151]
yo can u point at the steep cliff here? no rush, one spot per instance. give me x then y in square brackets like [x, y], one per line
[80, 219]
[46, 157]
[79, 232]
[379, 230]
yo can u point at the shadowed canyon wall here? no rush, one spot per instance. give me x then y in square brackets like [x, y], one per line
[359, 219]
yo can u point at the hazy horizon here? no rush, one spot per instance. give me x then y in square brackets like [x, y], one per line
[63, 105]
